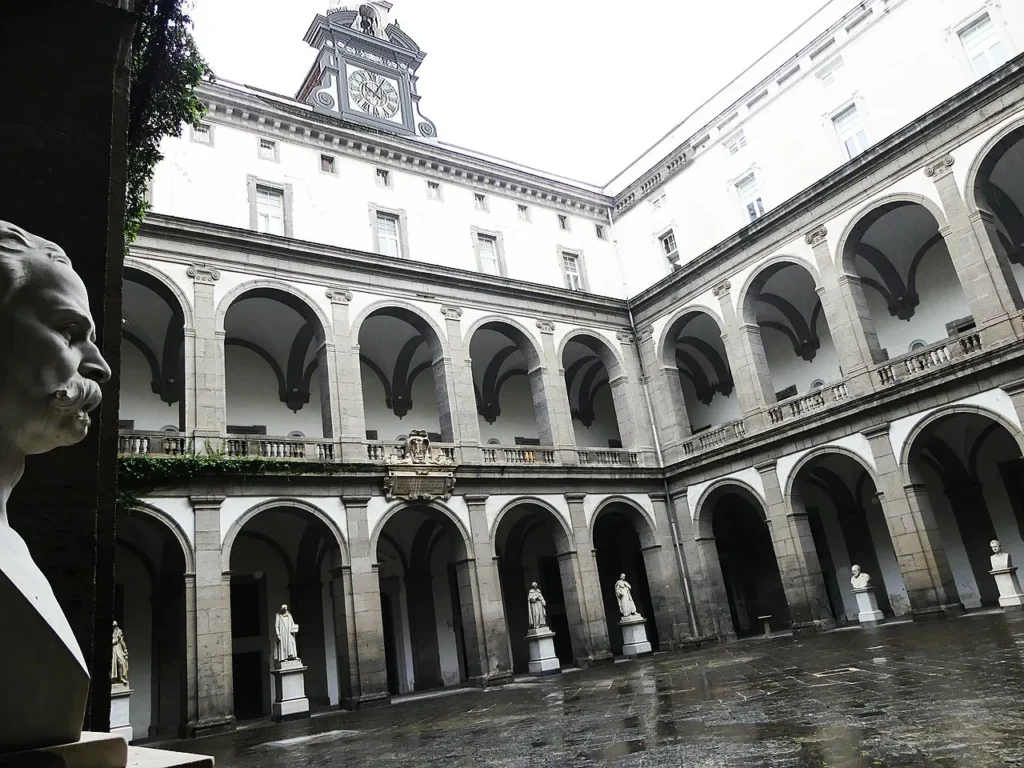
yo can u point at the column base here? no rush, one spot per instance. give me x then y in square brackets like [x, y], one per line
[368, 701]
[811, 627]
[543, 660]
[492, 680]
[937, 612]
[211, 726]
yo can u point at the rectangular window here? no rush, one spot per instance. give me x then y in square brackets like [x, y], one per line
[571, 268]
[858, 21]
[433, 190]
[269, 210]
[736, 143]
[268, 149]
[524, 212]
[327, 163]
[669, 248]
[383, 178]
[822, 50]
[658, 202]
[750, 197]
[850, 131]
[389, 239]
[786, 77]
[828, 73]
[982, 45]
[480, 201]
[202, 134]
[757, 98]
[487, 254]
[599, 231]
[563, 222]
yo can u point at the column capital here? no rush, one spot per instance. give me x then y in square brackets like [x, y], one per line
[476, 498]
[939, 168]
[339, 571]
[574, 498]
[722, 289]
[206, 501]
[915, 487]
[876, 431]
[203, 273]
[451, 313]
[625, 336]
[338, 294]
[765, 466]
[660, 496]
[546, 326]
[677, 493]
[355, 501]
[1014, 387]
[816, 236]
[645, 334]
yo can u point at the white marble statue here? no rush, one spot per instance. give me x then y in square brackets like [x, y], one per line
[1000, 559]
[50, 372]
[538, 607]
[119, 658]
[285, 629]
[859, 579]
[624, 594]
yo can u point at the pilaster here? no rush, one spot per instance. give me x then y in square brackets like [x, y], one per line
[208, 378]
[346, 379]
[662, 381]
[667, 576]
[557, 396]
[459, 398]
[592, 621]
[630, 406]
[747, 359]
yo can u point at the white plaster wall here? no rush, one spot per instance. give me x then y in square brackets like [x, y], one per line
[179, 509]
[720, 410]
[252, 397]
[389, 426]
[137, 400]
[138, 634]
[787, 368]
[517, 417]
[605, 427]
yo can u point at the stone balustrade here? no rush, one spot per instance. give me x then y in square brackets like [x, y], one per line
[714, 437]
[810, 402]
[141, 443]
[500, 454]
[608, 457]
[929, 358]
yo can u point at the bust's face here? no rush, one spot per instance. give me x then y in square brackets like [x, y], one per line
[50, 367]
[855, 570]
[996, 547]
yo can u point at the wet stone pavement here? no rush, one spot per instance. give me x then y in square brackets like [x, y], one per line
[948, 693]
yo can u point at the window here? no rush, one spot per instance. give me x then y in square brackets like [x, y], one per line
[383, 178]
[750, 197]
[818, 384]
[269, 210]
[757, 99]
[524, 212]
[202, 134]
[735, 143]
[527, 441]
[982, 45]
[389, 239]
[828, 73]
[599, 231]
[962, 325]
[822, 50]
[669, 248]
[268, 149]
[572, 270]
[563, 222]
[488, 254]
[658, 202]
[327, 163]
[480, 201]
[433, 190]
[296, 435]
[371, 434]
[916, 345]
[789, 75]
[850, 131]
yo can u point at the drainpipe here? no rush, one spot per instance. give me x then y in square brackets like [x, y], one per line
[684, 574]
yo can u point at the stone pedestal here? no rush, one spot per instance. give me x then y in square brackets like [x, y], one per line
[102, 750]
[543, 660]
[290, 702]
[1009, 587]
[634, 636]
[120, 722]
[867, 605]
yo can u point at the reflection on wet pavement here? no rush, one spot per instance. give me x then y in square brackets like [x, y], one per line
[940, 694]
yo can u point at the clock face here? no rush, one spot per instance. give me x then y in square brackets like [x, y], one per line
[374, 94]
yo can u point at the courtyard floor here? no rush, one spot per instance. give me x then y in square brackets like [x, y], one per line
[948, 693]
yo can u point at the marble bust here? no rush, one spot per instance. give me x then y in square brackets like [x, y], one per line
[858, 578]
[285, 630]
[538, 607]
[624, 596]
[1000, 560]
[49, 383]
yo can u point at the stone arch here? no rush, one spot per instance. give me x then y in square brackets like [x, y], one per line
[702, 513]
[172, 287]
[643, 521]
[175, 530]
[666, 341]
[241, 291]
[232, 533]
[531, 342]
[747, 296]
[439, 342]
[436, 506]
[564, 526]
[609, 355]
[820, 451]
[986, 158]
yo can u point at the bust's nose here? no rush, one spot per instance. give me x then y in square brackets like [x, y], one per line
[93, 366]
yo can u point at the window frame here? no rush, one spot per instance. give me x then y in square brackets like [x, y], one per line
[403, 229]
[660, 237]
[601, 231]
[252, 183]
[481, 202]
[850, 106]
[752, 172]
[564, 222]
[580, 263]
[996, 17]
[737, 138]
[334, 164]
[499, 250]
[997, 29]
[209, 134]
[436, 186]
[277, 149]
[524, 213]
[385, 175]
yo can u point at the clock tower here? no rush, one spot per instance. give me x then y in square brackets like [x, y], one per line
[366, 70]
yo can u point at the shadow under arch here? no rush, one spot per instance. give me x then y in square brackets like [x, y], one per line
[984, 163]
[161, 283]
[284, 502]
[174, 528]
[430, 329]
[276, 290]
[435, 510]
[747, 296]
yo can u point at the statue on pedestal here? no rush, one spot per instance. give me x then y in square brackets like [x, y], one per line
[538, 607]
[49, 383]
[285, 629]
[624, 594]
[859, 579]
[1000, 560]
[119, 658]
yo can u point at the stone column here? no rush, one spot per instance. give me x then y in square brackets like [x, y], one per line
[305, 595]
[915, 535]
[459, 398]
[987, 280]
[846, 312]
[711, 602]
[493, 642]
[666, 569]
[209, 379]
[191, 714]
[630, 405]
[214, 685]
[347, 380]
[662, 381]
[747, 360]
[344, 633]
[426, 659]
[371, 674]
[799, 568]
[586, 588]
[557, 396]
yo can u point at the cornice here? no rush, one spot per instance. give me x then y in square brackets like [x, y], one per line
[293, 122]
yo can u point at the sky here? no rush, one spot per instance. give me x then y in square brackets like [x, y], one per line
[573, 87]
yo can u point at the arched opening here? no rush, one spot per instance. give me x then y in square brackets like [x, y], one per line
[284, 555]
[849, 528]
[999, 190]
[277, 379]
[733, 522]
[693, 345]
[589, 366]
[533, 546]
[149, 606]
[509, 387]
[424, 604]
[783, 314]
[912, 291]
[400, 359]
[967, 467]
[152, 390]
[622, 536]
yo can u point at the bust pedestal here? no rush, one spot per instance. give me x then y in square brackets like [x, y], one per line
[120, 721]
[290, 702]
[634, 636]
[867, 605]
[1009, 588]
[543, 660]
